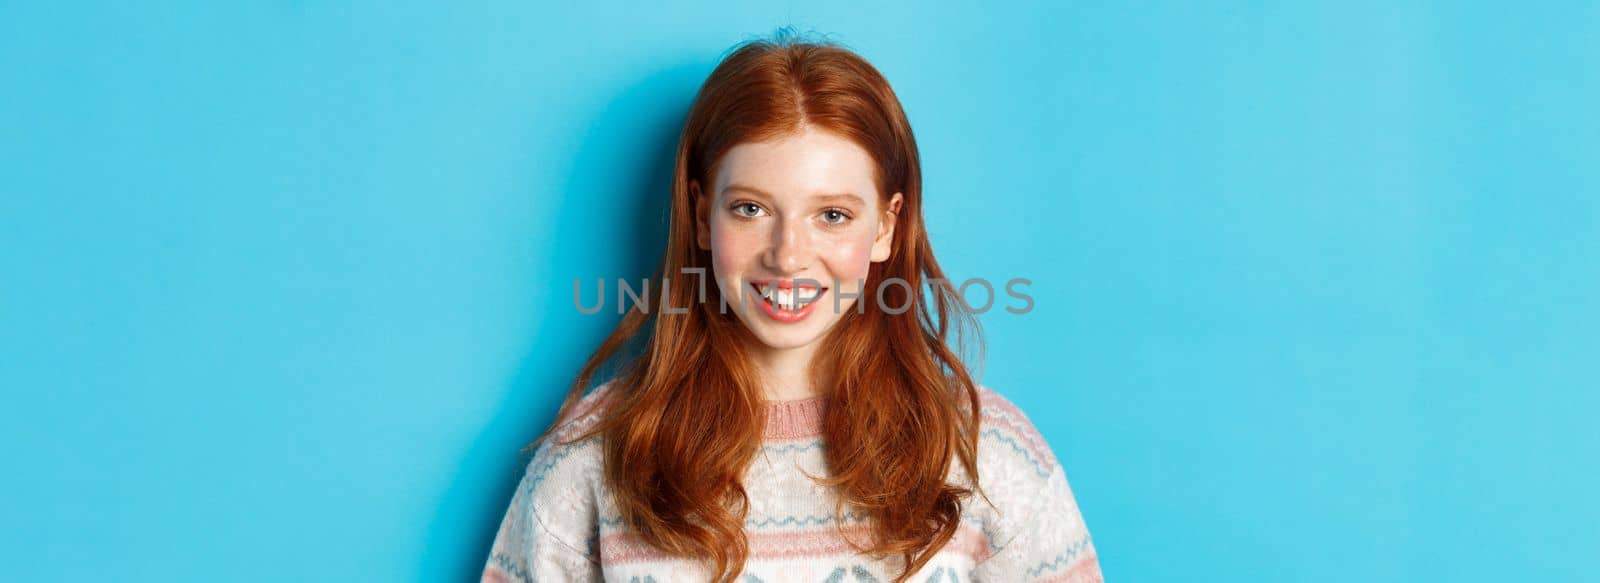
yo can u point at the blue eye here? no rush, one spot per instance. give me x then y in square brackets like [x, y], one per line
[746, 209]
[835, 217]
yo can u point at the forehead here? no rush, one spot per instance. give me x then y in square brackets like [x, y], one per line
[801, 165]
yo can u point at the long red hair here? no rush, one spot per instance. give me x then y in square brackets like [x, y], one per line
[903, 407]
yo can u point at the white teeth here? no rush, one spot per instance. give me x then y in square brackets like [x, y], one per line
[789, 299]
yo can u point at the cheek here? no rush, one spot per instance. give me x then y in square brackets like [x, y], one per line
[849, 259]
[732, 250]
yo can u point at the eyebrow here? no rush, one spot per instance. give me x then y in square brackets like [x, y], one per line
[840, 197]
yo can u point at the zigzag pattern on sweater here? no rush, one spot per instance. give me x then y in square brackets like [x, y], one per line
[792, 537]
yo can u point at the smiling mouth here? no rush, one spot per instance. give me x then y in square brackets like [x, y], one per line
[793, 298]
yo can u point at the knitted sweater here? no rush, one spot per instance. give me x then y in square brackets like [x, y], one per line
[562, 526]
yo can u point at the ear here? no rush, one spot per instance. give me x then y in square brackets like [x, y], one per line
[702, 215]
[882, 244]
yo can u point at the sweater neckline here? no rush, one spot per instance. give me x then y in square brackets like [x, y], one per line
[795, 418]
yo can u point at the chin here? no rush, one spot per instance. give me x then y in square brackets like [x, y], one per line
[785, 340]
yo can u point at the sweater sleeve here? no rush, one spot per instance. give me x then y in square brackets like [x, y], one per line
[548, 532]
[1038, 532]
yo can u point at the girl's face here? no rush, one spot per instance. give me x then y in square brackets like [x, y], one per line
[802, 207]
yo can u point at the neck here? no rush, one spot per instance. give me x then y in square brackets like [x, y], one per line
[785, 372]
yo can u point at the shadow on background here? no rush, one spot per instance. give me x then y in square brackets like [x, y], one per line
[635, 141]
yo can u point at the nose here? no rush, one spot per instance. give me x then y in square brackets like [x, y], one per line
[791, 250]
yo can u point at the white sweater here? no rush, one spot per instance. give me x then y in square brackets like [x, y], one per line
[563, 526]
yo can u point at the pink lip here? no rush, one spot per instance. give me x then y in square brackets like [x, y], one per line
[786, 316]
[782, 283]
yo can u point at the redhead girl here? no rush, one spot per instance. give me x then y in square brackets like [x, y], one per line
[791, 411]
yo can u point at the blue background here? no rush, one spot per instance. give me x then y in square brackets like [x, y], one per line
[285, 286]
